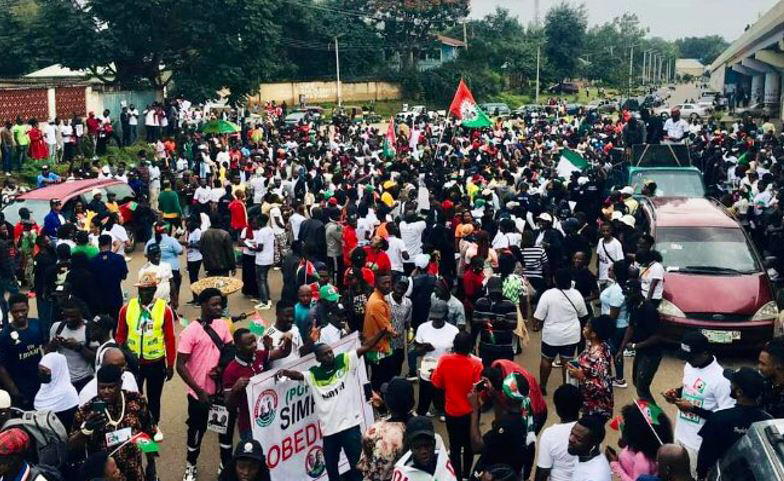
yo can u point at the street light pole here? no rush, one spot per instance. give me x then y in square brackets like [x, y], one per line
[337, 69]
[631, 66]
[538, 54]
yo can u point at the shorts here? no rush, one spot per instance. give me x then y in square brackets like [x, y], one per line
[550, 352]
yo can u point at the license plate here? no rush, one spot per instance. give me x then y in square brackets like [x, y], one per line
[721, 337]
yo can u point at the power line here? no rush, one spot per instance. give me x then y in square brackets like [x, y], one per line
[359, 14]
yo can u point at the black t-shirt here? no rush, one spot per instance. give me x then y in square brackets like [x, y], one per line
[721, 430]
[645, 321]
[20, 353]
[505, 443]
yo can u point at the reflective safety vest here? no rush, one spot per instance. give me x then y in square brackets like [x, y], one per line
[145, 336]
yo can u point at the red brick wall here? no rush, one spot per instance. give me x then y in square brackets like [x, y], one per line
[26, 103]
[69, 100]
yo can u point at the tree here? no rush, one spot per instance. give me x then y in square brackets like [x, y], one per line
[608, 48]
[408, 26]
[197, 45]
[565, 27]
[18, 26]
[704, 49]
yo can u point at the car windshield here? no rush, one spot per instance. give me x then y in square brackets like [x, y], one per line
[38, 210]
[670, 183]
[708, 250]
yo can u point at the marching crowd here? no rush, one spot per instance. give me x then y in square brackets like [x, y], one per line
[443, 246]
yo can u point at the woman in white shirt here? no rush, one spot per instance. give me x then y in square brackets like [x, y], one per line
[433, 339]
[608, 251]
[246, 242]
[651, 276]
[264, 240]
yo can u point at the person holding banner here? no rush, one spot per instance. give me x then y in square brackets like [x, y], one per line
[332, 382]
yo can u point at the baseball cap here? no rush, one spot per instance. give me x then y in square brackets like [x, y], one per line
[694, 342]
[420, 426]
[629, 220]
[628, 190]
[545, 217]
[494, 284]
[438, 309]
[749, 380]
[329, 293]
[153, 248]
[249, 450]
[421, 260]
[54, 202]
[5, 399]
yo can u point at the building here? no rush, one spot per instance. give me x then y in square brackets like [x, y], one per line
[689, 66]
[750, 69]
[442, 49]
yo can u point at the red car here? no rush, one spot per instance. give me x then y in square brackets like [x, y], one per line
[714, 281]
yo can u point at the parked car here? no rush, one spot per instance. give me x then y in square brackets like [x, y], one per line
[564, 88]
[715, 281]
[414, 112]
[688, 111]
[756, 111]
[295, 118]
[757, 456]
[495, 109]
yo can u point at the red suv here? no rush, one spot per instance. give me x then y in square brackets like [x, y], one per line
[714, 281]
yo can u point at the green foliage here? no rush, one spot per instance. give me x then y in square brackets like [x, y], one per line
[705, 49]
[565, 28]
[19, 23]
[437, 86]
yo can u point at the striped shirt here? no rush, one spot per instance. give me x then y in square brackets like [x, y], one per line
[534, 259]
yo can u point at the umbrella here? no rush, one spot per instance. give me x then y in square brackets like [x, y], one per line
[220, 127]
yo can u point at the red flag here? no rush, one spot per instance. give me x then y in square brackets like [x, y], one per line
[389, 140]
[462, 94]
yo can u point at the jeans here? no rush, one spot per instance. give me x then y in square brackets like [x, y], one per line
[615, 344]
[413, 357]
[350, 440]
[460, 453]
[21, 155]
[261, 280]
[8, 158]
[643, 369]
[155, 375]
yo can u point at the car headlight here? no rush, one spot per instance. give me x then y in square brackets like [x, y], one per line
[667, 308]
[769, 311]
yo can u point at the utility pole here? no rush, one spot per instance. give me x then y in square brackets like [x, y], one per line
[631, 66]
[465, 34]
[337, 69]
[642, 76]
[538, 54]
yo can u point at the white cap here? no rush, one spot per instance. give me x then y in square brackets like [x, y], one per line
[629, 220]
[545, 217]
[421, 260]
[628, 190]
[616, 215]
[5, 400]
[95, 192]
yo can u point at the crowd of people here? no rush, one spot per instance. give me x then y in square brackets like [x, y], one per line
[444, 256]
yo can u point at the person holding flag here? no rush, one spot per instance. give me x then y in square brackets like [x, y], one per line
[644, 429]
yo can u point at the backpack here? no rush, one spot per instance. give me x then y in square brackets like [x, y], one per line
[48, 434]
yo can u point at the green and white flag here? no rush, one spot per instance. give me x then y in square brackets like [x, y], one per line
[570, 161]
[464, 107]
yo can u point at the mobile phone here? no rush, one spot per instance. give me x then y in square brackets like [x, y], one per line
[481, 385]
[99, 406]
[368, 391]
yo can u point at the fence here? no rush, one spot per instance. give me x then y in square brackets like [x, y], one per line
[313, 92]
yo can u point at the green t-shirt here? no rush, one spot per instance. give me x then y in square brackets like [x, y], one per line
[89, 250]
[20, 134]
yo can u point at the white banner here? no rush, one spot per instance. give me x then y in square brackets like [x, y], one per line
[284, 421]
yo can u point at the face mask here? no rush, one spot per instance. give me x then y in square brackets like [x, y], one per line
[45, 378]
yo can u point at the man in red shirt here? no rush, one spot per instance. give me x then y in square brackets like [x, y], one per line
[238, 214]
[456, 374]
[377, 259]
[248, 362]
[495, 375]
[350, 240]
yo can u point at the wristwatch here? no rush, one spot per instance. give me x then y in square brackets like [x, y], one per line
[85, 431]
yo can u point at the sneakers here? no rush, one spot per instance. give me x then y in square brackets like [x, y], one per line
[628, 352]
[158, 437]
[220, 468]
[621, 383]
[262, 306]
[557, 363]
[191, 473]
[442, 418]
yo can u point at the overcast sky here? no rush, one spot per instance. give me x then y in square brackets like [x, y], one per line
[669, 19]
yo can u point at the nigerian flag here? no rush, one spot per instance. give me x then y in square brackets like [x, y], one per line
[570, 161]
[464, 107]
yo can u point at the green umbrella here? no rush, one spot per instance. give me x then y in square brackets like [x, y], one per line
[220, 127]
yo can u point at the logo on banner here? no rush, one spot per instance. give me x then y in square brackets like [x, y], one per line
[265, 408]
[315, 465]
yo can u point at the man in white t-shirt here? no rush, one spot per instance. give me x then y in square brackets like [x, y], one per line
[585, 442]
[558, 315]
[284, 321]
[411, 230]
[396, 249]
[608, 251]
[703, 391]
[264, 240]
[553, 460]
[675, 128]
[339, 403]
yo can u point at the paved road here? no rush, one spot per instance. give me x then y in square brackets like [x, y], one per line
[174, 404]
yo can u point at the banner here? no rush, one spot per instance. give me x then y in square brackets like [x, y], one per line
[283, 419]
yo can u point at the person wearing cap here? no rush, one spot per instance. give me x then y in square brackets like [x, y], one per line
[96, 204]
[161, 271]
[426, 456]
[512, 439]
[116, 411]
[14, 446]
[627, 194]
[54, 219]
[550, 239]
[145, 326]
[337, 407]
[112, 354]
[704, 390]
[247, 464]
[433, 339]
[726, 426]
[46, 177]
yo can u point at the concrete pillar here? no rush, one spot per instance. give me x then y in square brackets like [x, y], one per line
[772, 88]
[51, 101]
[757, 88]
